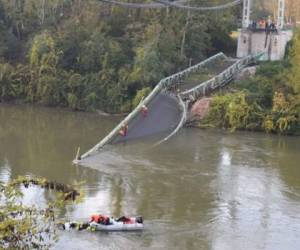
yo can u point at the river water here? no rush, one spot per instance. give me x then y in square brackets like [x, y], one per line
[200, 190]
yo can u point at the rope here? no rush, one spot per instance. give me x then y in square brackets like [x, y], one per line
[164, 4]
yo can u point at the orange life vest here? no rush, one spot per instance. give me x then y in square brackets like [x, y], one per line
[144, 111]
[98, 218]
[123, 131]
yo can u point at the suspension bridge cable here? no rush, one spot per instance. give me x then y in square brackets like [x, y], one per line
[165, 4]
[136, 5]
[217, 7]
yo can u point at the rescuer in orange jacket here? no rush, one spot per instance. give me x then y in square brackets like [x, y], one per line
[101, 219]
[123, 131]
[144, 110]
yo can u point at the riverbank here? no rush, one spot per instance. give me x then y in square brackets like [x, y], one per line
[265, 100]
[86, 56]
[25, 105]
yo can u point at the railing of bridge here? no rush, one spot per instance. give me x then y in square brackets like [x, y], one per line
[218, 81]
[191, 94]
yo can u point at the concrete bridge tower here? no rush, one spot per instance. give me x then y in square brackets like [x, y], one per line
[246, 13]
[281, 9]
[263, 35]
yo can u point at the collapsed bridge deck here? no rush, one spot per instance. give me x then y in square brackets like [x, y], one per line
[167, 103]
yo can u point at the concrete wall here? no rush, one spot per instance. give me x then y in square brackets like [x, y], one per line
[254, 42]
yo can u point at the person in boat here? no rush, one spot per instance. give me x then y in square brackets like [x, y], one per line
[128, 220]
[144, 111]
[100, 219]
[124, 130]
[124, 219]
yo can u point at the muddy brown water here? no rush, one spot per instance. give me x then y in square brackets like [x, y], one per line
[200, 190]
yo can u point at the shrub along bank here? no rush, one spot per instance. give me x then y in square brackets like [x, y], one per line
[268, 101]
[88, 55]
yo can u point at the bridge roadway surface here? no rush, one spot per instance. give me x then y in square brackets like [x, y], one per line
[164, 112]
[163, 116]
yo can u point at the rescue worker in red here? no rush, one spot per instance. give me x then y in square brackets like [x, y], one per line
[125, 220]
[144, 111]
[123, 131]
[101, 219]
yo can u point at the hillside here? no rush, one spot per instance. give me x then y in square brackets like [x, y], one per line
[88, 55]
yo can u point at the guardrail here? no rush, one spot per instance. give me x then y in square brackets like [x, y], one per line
[168, 81]
[217, 81]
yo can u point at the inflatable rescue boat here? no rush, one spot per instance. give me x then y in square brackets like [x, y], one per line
[120, 224]
[132, 224]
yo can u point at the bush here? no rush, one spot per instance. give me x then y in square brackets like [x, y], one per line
[140, 95]
[233, 111]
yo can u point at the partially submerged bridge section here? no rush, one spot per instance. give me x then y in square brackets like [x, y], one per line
[167, 103]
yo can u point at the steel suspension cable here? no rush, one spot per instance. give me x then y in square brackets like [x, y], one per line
[217, 7]
[165, 4]
[136, 5]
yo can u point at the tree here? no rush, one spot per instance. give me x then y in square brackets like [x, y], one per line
[294, 75]
[8, 45]
[2, 31]
[6, 79]
[44, 57]
[147, 69]
[116, 51]
[29, 227]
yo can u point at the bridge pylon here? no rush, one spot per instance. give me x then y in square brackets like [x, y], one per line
[264, 35]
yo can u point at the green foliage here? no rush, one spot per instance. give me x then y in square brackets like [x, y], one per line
[42, 46]
[269, 77]
[91, 101]
[240, 111]
[234, 111]
[294, 76]
[29, 227]
[147, 69]
[268, 101]
[284, 116]
[140, 95]
[86, 55]
[6, 78]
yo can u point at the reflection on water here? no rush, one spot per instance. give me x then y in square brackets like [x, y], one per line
[200, 190]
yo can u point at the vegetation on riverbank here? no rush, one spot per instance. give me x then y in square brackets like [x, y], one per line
[268, 101]
[30, 227]
[88, 55]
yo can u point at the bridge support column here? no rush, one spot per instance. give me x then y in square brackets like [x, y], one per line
[281, 9]
[253, 42]
[244, 43]
[246, 13]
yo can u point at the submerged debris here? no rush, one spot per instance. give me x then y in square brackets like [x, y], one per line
[68, 192]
